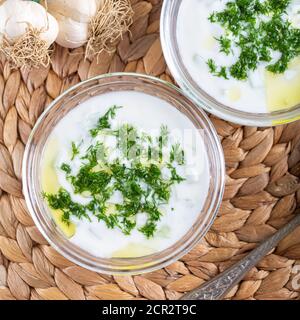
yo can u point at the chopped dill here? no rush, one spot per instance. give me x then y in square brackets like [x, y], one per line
[217, 71]
[66, 168]
[139, 179]
[75, 150]
[225, 44]
[104, 122]
[257, 28]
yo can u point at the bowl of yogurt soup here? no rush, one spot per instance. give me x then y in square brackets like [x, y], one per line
[240, 60]
[123, 174]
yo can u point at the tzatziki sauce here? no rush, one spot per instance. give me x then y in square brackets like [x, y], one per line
[263, 91]
[148, 114]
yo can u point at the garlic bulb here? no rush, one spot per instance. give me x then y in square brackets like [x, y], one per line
[16, 16]
[96, 23]
[73, 17]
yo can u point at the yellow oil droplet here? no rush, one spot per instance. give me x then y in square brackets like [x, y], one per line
[234, 94]
[209, 43]
[50, 184]
[111, 209]
[133, 251]
[283, 93]
[101, 167]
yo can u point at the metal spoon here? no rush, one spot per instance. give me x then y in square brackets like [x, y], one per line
[218, 287]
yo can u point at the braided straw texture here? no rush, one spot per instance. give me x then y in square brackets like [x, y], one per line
[262, 190]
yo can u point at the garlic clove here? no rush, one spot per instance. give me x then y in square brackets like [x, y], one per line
[51, 32]
[6, 11]
[72, 34]
[78, 10]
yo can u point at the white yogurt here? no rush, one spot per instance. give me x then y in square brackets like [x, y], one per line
[147, 113]
[197, 44]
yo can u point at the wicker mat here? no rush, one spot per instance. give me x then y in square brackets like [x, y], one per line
[261, 195]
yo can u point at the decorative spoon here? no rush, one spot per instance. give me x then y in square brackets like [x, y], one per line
[218, 287]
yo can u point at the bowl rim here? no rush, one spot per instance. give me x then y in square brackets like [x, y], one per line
[164, 261]
[196, 93]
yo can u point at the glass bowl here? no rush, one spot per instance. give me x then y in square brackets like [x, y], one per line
[169, 16]
[64, 104]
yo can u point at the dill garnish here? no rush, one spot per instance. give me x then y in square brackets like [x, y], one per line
[136, 174]
[257, 28]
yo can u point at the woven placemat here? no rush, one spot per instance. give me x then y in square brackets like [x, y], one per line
[262, 190]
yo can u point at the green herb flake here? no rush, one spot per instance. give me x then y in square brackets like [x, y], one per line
[225, 44]
[148, 229]
[75, 150]
[66, 168]
[217, 71]
[104, 122]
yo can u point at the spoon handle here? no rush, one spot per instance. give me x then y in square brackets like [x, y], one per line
[218, 287]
